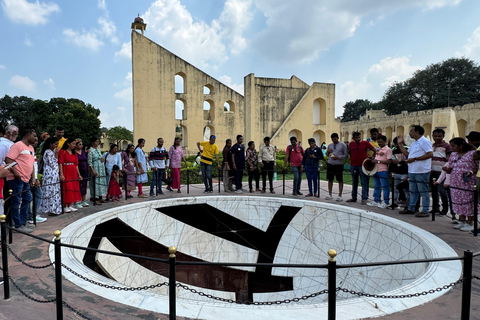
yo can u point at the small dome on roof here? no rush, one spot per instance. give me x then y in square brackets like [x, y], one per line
[138, 20]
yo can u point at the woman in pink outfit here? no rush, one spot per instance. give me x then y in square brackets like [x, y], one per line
[175, 155]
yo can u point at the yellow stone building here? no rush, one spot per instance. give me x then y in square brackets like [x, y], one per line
[171, 97]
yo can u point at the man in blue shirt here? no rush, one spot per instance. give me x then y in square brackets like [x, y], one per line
[310, 165]
[238, 159]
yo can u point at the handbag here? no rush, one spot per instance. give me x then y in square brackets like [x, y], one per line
[167, 180]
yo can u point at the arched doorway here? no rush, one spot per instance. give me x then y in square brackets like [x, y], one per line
[319, 137]
[180, 81]
[388, 133]
[400, 130]
[319, 111]
[295, 133]
[462, 128]
[207, 132]
[428, 130]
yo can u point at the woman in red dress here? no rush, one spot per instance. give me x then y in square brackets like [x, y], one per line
[69, 174]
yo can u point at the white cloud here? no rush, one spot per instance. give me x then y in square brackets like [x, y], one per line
[298, 32]
[22, 83]
[472, 48]
[50, 83]
[372, 86]
[108, 28]
[117, 117]
[21, 11]
[2, 67]
[124, 94]
[234, 18]
[27, 42]
[125, 53]
[102, 4]
[228, 81]
[171, 25]
[84, 39]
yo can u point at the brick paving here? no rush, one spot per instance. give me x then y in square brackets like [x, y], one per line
[39, 283]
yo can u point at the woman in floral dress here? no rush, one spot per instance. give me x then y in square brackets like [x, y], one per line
[129, 163]
[52, 202]
[96, 163]
[175, 154]
[463, 170]
[251, 158]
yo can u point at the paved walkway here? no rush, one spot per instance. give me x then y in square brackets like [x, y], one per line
[39, 283]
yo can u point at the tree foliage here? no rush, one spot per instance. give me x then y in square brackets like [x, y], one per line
[452, 82]
[79, 119]
[118, 134]
[354, 109]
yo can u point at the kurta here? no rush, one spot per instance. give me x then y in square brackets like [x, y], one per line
[71, 186]
[461, 191]
[51, 199]
[129, 163]
[141, 178]
[94, 161]
[176, 156]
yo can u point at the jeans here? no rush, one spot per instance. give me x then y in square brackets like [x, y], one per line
[37, 193]
[238, 178]
[355, 171]
[297, 178]
[21, 195]
[157, 178]
[312, 176]
[436, 190]
[207, 175]
[268, 168]
[381, 184]
[418, 186]
[255, 174]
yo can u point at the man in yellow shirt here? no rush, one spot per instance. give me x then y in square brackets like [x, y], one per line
[373, 141]
[206, 161]
[59, 134]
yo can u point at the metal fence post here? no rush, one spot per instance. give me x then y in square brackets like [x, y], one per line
[34, 210]
[332, 284]
[433, 212]
[125, 176]
[319, 180]
[393, 191]
[94, 190]
[61, 195]
[6, 283]
[58, 275]
[475, 210]
[9, 216]
[283, 172]
[172, 283]
[188, 182]
[220, 177]
[467, 284]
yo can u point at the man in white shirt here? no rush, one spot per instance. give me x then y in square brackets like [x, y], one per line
[267, 158]
[419, 162]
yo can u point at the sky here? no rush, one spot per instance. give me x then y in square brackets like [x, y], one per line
[81, 49]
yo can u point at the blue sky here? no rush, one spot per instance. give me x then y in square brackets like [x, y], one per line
[81, 49]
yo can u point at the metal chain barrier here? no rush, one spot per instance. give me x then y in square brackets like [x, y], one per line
[401, 296]
[28, 296]
[69, 307]
[27, 264]
[256, 303]
[152, 286]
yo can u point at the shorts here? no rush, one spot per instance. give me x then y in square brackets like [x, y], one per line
[335, 170]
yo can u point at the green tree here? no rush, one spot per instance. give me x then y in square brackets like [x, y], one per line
[354, 109]
[119, 133]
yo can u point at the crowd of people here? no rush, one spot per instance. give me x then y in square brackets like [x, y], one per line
[448, 170]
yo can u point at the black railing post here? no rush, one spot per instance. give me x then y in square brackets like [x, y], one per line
[172, 287]
[318, 182]
[188, 182]
[433, 212]
[332, 284]
[393, 191]
[9, 216]
[61, 195]
[475, 211]
[94, 190]
[34, 210]
[6, 284]
[125, 176]
[58, 275]
[219, 180]
[467, 284]
[283, 173]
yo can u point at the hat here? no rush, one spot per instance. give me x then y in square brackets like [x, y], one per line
[473, 136]
[43, 135]
[368, 167]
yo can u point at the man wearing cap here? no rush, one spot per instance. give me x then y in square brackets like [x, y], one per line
[358, 153]
[206, 161]
[44, 137]
[336, 151]
[419, 162]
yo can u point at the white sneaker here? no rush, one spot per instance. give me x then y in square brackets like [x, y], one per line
[382, 205]
[72, 209]
[67, 209]
[329, 197]
[77, 205]
[39, 220]
[339, 199]
[466, 227]
[459, 225]
[239, 191]
[84, 204]
[372, 204]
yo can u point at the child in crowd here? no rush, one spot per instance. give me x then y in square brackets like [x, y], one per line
[114, 192]
[445, 178]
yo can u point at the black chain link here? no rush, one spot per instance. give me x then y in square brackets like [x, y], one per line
[256, 303]
[152, 286]
[75, 311]
[27, 264]
[476, 278]
[401, 296]
[28, 296]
